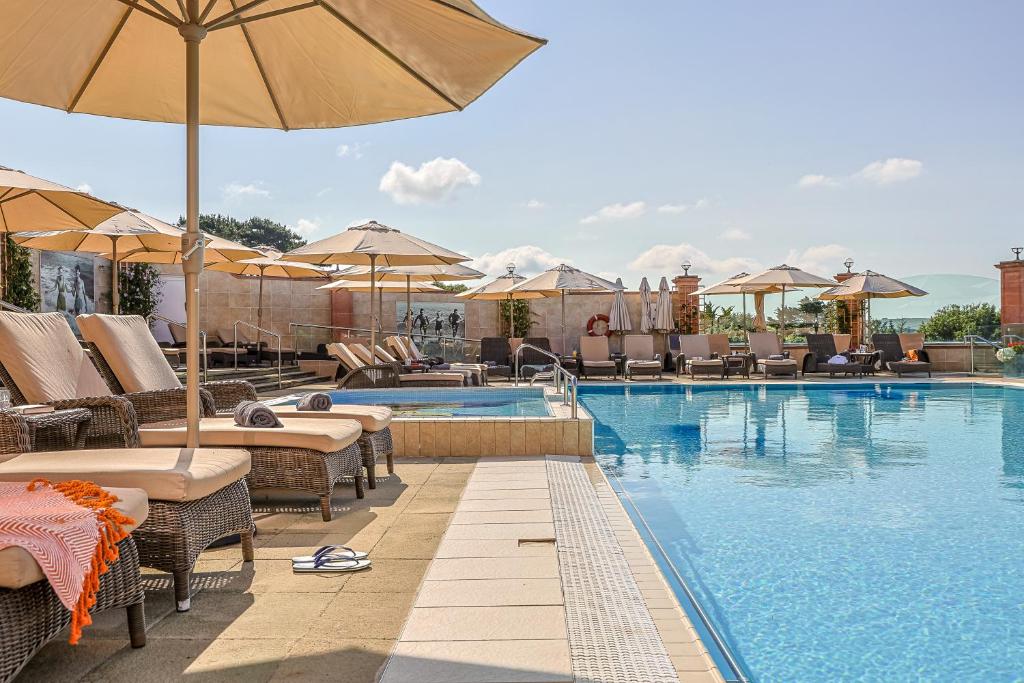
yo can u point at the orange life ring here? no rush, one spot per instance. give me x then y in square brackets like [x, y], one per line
[600, 322]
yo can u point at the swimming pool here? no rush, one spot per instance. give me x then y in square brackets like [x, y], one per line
[850, 532]
[440, 402]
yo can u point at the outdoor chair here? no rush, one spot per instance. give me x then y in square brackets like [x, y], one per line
[735, 363]
[767, 355]
[363, 354]
[196, 496]
[596, 358]
[353, 373]
[496, 354]
[124, 352]
[640, 356]
[820, 349]
[532, 361]
[673, 351]
[843, 342]
[695, 357]
[895, 358]
[218, 352]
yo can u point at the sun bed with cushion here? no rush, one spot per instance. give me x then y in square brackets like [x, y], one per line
[496, 354]
[895, 357]
[640, 356]
[767, 355]
[820, 349]
[735, 363]
[196, 496]
[353, 373]
[31, 613]
[307, 454]
[596, 358]
[469, 375]
[695, 357]
[127, 341]
[42, 362]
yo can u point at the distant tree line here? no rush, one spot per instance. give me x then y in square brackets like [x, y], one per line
[252, 232]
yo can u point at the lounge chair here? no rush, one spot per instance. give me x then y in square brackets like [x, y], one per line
[820, 349]
[532, 361]
[196, 496]
[596, 358]
[896, 358]
[640, 356]
[695, 357]
[735, 363]
[496, 354]
[673, 351]
[218, 352]
[767, 355]
[353, 373]
[126, 340]
[31, 614]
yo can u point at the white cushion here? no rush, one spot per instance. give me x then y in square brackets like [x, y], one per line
[326, 436]
[370, 418]
[130, 350]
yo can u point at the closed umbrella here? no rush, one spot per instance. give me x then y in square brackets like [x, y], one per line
[618, 317]
[283, 64]
[646, 308]
[374, 244]
[785, 277]
[870, 285]
[663, 320]
[502, 288]
[562, 280]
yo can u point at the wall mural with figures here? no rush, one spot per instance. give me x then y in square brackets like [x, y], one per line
[437, 326]
[66, 284]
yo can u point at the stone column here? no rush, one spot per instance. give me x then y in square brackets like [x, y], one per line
[1011, 295]
[852, 311]
[684, 304]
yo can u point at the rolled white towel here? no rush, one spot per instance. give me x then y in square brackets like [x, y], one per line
[255, 414]
[318, 401]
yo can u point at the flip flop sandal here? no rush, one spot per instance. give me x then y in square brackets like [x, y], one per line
[340, 551]
[328, 564]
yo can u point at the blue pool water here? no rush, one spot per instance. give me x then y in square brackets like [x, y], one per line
[440, 402]
[859, 532]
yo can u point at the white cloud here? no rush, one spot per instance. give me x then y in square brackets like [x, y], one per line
[893, 170]
[735, 235]
[666, 258]
[325, 191]
[529, 260]
[672, 208]
[236, 191]
[616, 212]
[352, 151]
[433, 181]
[536, 204]
[823, 259]
[306, 226]
[817, 180]
[702, 203]
[84, 187]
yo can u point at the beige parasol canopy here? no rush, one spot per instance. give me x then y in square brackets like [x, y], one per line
[501, 288]
[784, 278]
[268, 63]
[28, 203]
[167, 248]
[374, 244]
[562, 280]
[735, 285]
[417, 287]
[870, 285]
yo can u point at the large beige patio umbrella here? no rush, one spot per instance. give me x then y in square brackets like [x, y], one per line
[735, 285]
[785, 278]
[448, 272]
[269, 63]
[870, 285]
[28, 203]
[501, 289]
[374, 244]
[562, 280]
[269, 265]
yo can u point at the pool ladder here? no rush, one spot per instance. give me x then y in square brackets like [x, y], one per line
[565, 382]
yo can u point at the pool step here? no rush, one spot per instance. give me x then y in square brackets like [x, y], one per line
[264, 378]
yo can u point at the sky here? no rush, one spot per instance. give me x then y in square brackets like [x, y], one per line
[734, 135]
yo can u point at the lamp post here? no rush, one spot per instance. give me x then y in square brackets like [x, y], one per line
[849, 265]
[1016, 252]
[686, 265]
[510, 268]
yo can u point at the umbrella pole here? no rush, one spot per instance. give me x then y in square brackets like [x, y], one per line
[259, 313]
[563, 324]
[373, 282]
[115, 296]
[745, 330]
[511, 317]
[191, 241]
[782, 316]
[408, 306]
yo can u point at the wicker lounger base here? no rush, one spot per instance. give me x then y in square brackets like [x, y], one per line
[779, 370]
[846, 368]
[707, 370]
[372, 445]
[31, 616]
[587, 371]
[631, 370]
[907, 368]
[176, 532]
[304, 469]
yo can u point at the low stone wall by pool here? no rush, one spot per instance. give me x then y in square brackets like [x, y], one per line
[483, 436]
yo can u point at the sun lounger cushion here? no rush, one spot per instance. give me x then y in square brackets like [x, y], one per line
[45, 360]
[706, 362]
[173, 474]
[644, 363]
[370, 418]
[780, 362]
[17, 566]
[413, 378]
[299, 432]
[130, 350]
[599, 364]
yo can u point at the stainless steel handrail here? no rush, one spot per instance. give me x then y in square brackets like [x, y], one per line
[202, 337]
[8, 306]
[234, 330]
[972, 338]
[565, 382]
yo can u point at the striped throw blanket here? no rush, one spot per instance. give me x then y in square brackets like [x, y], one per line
[72, 530]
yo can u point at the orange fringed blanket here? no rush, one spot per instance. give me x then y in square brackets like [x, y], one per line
[72, 530]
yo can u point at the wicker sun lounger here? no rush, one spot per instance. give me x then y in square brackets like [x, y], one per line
[31, 614]
[822, 347]
[496, 354]
[768, 356]
[894, 355]
[595, 358]
[355, 374]
[695, 357]
[640, 356]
